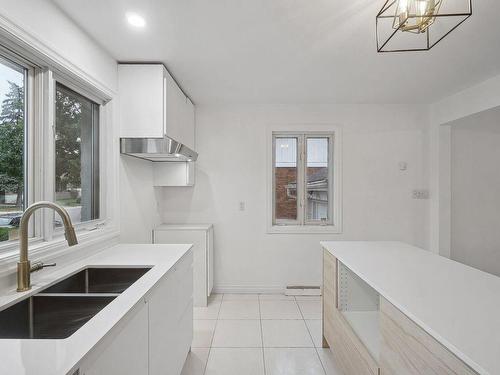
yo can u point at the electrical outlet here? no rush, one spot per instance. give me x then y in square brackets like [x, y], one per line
[420, 194]
[242, 206]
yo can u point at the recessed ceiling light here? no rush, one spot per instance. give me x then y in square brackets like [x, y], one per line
[135, 20]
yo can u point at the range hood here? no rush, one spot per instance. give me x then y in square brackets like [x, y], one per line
[157, 149]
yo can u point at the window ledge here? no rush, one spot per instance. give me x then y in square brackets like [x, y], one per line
[304, 229]
[43, 250]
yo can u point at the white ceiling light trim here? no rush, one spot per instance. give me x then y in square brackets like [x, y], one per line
[135, 20]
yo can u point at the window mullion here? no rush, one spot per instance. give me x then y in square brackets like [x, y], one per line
[331, 181]
[302, 177]
[36, 141]
[273, 181]
[48, 153]
[304, 169]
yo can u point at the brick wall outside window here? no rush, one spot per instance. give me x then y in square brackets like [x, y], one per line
[286, 206]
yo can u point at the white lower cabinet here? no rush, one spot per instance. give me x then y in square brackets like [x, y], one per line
[155, 336]
[125, 352]
[170, 304]
[202, 238]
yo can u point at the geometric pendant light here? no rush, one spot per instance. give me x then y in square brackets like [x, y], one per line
[418, 25]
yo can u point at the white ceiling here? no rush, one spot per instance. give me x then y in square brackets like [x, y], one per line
[290, 51]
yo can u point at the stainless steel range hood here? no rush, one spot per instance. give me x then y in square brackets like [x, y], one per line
[157, 149]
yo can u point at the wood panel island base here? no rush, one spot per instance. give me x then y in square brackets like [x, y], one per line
[373, 330]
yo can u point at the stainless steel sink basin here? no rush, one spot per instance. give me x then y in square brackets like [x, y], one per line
[98, 280]
[60, 310]
[50, 317]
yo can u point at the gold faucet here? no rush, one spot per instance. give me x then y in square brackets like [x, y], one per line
[24, 268]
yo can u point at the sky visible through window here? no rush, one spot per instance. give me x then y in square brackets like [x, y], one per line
[8, 74]
[11, 148]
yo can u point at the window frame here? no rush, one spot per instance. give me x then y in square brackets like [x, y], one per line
[331, 179]
[298, 163]
[32, 172]
[95, 165]
[90, 225]
[302, 225]
[40, 155]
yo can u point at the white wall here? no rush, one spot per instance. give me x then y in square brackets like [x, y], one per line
[46, 24]
[232, 168]
[475, 187]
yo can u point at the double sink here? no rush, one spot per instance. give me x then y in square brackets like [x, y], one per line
[61, 309]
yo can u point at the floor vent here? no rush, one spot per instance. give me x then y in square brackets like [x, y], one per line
[302, 290]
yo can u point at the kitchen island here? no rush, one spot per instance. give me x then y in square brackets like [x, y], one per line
[392, 308]
[146, 329]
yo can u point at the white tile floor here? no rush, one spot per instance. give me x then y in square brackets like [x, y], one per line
[259, 334]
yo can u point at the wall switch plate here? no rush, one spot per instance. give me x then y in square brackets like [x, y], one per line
[420, 194]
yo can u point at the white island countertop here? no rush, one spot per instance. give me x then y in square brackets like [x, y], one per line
[458, 305]
[58, 357]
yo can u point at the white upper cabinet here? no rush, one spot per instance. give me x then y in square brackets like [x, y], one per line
[152, 105]
[189, 120]
[141, 100]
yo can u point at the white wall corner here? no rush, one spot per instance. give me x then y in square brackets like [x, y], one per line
[485, 95]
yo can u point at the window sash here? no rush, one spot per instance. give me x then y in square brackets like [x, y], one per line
[40, 146]
[277, 221]
[330, 139]
[30, 153]
[301, 179]
[94, 151]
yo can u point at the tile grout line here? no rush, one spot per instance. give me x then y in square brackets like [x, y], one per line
[213, 335]
[262, 337]
[312, 339]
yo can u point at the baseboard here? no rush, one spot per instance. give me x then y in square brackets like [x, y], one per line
[249, 289]
[304, 290]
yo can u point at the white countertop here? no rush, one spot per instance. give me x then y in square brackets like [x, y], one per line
[458, 305]
[183, 227]
[54, 357]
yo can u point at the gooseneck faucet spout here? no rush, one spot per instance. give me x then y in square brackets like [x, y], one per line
[24, 268]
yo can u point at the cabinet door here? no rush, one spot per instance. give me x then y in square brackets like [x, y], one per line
[175, 107]
[329, 296]
[180, 115]
[350, 353]
[141, 100]
[408, 350]
[210, 261]
[199, 240]
[170, 320]
[188, 133]
[113, 355]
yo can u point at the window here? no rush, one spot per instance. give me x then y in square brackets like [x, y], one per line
[303, 184]
[50, 133]
[12, 147]
[77, 155]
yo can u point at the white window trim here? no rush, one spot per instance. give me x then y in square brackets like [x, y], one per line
[89, 225]
[308, 228]
[50, 63]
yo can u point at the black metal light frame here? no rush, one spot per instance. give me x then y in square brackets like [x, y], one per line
[429, 45]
